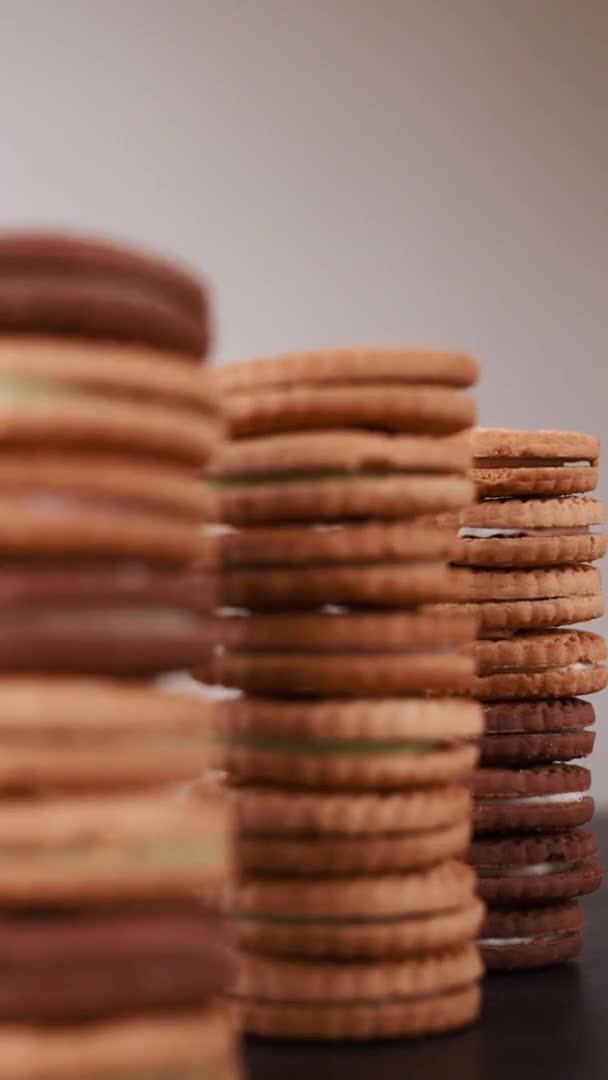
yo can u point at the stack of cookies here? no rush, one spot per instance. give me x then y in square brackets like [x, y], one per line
[349, 747]
[110, 887]
[531, 542]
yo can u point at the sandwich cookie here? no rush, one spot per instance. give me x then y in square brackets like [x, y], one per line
[529, 532]
[125, 736]
[536, 868]
[363, 744]
[331, 476]
[282, 831]
[539, 797]
[359, 917]
[88, 288]
[185, 1044]
[343, 654]
[523, 938]
[91, 617]
[378, 387]
[511, 462]
[554, 664]
[314, 1000]
[535, 598]
[537, 732]
[100, 850]
[112, 963]
[69, 394]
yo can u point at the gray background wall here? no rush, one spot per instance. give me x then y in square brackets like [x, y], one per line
[342, 170]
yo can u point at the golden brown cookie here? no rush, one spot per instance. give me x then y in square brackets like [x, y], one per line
[282, 831]
[311, 999]
[363, 916]
[364, 744]
[557, 663]
[511, 462]
[511, 615]
[326, 632]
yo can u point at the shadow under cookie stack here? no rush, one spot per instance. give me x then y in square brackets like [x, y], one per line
[113, 950]
[531, 541]
[349, 749]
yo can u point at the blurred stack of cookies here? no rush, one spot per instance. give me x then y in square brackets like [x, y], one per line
[531, 541]
[349, 747]
[110, 888]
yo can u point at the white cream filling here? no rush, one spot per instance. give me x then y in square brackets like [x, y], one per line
[469, 532]
[497, 942]
[538, 669]
[508, 462]
[557, 866]
[530, 800]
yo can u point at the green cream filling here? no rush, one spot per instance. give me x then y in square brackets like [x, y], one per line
[21, 387]
[293, 477]
[149, 853]
[333, 746]
[296, 920]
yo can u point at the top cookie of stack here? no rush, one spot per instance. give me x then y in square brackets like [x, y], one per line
[103, 429]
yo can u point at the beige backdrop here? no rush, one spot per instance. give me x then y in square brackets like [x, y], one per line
[431, 170]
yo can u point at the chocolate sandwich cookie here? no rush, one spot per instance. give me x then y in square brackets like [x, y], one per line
[85, 735]
[99, 850]
[377, 387]
[511, 462]
[61, 505]
[537, 732]
[359, 917]
[92, 617]
[181, 1045]
[529, 532]
[538, 797]
[68, 394]
[523, 938]
[535, 598]
[363, 744]
[85, 287]
[554, 664]
[340, 475]
[343, 654]
[536, 868]
[314, 1000]
[282, 831]
[112, 963]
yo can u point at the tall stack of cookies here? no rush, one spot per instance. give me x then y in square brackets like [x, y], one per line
[110, 966]
[349, 747]
[531, 541]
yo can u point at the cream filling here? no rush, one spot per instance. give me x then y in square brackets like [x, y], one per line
[31, 387]
[95, 618]
[496, 942]
[50, 504]
[529, 463]
[530, 800]
[556, 866]
[468, 532]
[171, 851]
[579, 665]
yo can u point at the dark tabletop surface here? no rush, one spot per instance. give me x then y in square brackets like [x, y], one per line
[546, 1025]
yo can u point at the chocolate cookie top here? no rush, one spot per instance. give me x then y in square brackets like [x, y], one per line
[68, 285]
[538, 717]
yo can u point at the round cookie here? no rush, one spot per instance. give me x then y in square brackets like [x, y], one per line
[540, 463]
[282, 831]
[326, 498]
[338, 631]
[553, 664]
[163, 1045]
[537, 868]
[363, 744]
[536, 732]
[540, 797]
[99, 850]
[128, 736]
[112, 963]
[310, 999]
[530, 532]
[369, 585]
[523, 938]
[105, 397]
[353, 365]
[344, 544]
[85, 287]
[359, 917]
[102, 618]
